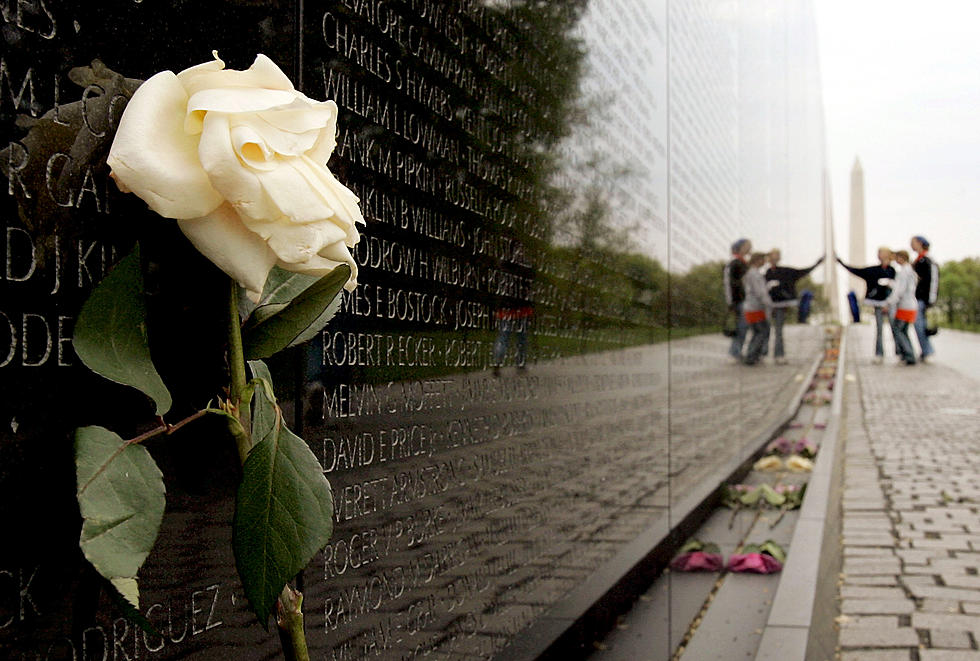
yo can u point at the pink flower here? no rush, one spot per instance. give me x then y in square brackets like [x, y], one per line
[756, 563]
[781, 445]
[805, 448]
[697, 561]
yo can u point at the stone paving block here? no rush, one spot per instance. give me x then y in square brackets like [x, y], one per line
[940, 592]
[919, 579]
[876, 637]
[870, 579]
[876, 655]
[877, 606]
[938, 606]
[945, 621]
[869, 539]
[876, 566]
[862, 592]
[869, 622]
[868, 523]
[920, 556]
[947, 541]
[960, 580]
[942, 638]
[948, 655]
[866, 551]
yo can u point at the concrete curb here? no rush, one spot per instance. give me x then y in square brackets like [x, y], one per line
[591, 609]
[800, 624]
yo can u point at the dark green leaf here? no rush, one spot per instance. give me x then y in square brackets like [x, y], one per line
[272, 328]
[110, 334]
[264, 404]
[282, 286]
[129, 609]
[283, 515]
[121, 497]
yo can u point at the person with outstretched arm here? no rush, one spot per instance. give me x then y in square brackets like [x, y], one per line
[878, 281]
[781, 281]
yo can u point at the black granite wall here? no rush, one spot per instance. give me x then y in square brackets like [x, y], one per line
[471, 493]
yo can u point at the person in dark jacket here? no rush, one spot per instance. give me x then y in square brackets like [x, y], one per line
[925, 291]
[734, 271]
[781, 282]
[878, 281]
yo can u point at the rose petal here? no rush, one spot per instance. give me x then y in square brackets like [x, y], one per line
[321, 265]
[262, 74]
[697, 561]
[315, 116]
[223, 238]
[239, 185]
[234, 99]
[295, 243]
[299, 198]
[756, 563]
[285, 143]
[153, 156]
[340, 198]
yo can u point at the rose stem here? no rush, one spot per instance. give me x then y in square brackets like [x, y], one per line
[289, 618]
[236, 364]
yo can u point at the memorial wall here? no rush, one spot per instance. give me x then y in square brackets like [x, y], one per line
[529, 375]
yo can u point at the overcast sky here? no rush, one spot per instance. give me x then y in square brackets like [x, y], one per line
[901, 85]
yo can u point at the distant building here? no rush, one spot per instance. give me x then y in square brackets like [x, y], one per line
[858, 254]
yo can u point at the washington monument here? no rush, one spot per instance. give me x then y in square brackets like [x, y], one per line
[858, 250]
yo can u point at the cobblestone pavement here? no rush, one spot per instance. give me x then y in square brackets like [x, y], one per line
[910, 587]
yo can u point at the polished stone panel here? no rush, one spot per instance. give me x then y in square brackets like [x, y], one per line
[507, 401]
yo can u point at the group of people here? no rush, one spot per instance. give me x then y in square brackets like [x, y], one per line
[759, 291]
[901, 290]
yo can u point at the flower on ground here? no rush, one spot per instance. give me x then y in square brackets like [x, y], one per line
[799, 464]
[768, 463]
[238, 158]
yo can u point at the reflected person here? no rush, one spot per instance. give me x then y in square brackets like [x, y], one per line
[925, 292]
[781, 282]
[734, 272]
[901, 307]
[878, 280]
[757, 308]
[511, 322]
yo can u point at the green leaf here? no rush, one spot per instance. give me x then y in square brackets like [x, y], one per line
[751, 498]
[121, 497]
[771, 496]
[264, 405]
[110, 334]
[128, 589]
[273, 327]
[283, 516]
[282, 286]
[773, 549]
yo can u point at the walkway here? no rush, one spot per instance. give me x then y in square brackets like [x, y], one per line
[911, 538]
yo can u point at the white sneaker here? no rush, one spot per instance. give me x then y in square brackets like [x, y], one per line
[877, 360]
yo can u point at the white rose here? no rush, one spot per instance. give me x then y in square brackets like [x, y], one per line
[238, 159]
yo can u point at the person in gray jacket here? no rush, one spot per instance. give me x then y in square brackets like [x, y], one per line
[756, 308]
[902, 307]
